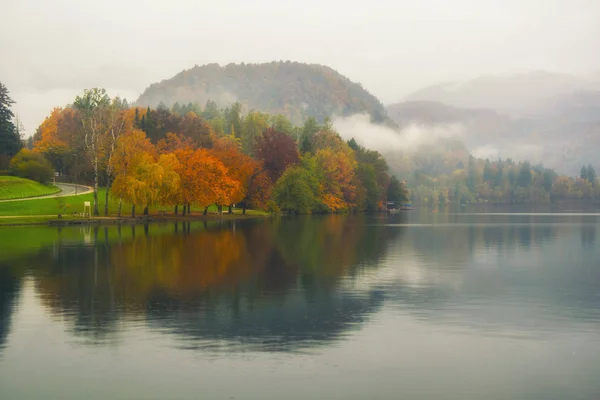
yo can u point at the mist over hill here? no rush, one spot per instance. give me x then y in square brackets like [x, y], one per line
[294, 89]
[539, 116]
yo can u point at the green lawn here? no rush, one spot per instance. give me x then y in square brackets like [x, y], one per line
[16, 188]
[70, 204]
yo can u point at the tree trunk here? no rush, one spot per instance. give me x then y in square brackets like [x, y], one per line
[189, 206]
[176, 209]
[205, 210]
[133, 211]
[183, 212]
[230, 209]
[244, 210]
[96, 212]
[120, 206]
[220, 209]
[146, 210]
[106, 198]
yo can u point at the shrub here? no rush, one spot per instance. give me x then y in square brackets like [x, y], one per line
[30, 165]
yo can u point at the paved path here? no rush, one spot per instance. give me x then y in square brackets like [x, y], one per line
[66, 189]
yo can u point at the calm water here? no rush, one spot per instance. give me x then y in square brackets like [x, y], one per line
[411, 306]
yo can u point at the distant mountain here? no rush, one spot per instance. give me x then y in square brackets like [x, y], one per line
[562, 131]
[294, 89]
[506, 93]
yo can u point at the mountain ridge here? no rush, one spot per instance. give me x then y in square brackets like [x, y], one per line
[297, 90]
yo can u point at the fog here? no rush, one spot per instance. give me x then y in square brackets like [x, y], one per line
[52, 50]
[386, 140]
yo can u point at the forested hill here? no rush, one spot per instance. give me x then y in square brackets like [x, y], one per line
[296, 90]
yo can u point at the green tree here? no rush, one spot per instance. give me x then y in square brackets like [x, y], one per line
[30, 165]
[591, 175]
[525, 176]
[397, 193]
[211, 111]
[548, 179]
[293, 192]
[472, 175]
[233, 120]
[253, 126]
[282, 124]
[309, 130]
[10, 142]
[584, 173]
[488, 172]
[368, 179]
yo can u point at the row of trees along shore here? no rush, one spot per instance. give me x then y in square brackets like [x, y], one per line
[187, 156]
[503, 182]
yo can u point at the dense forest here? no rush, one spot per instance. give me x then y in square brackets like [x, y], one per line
[447, 173]
[293, 89]
[190, 155]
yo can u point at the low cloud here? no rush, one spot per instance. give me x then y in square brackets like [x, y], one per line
[385, 139]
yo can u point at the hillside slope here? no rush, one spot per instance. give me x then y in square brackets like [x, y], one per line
[294, 89]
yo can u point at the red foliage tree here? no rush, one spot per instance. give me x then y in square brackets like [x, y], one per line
[277, 151]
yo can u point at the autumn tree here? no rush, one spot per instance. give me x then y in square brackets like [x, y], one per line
[172, 142]
[50, 141]
[338, 169]
[258, 189]
[240, 167]
[277, 151]
[204, 179]
[132, 150]
[195, 128]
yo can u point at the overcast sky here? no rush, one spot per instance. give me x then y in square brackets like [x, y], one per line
[52, 49]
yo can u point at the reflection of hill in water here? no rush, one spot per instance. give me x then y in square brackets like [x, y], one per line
[271, 324]
[258, 281]
[9, 292]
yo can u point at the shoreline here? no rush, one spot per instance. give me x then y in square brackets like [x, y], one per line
[111, 220]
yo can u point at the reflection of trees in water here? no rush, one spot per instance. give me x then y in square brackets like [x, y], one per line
[528, 278]
[588, 236]
[454, 242]
[243, 281]
[78, 284]
[9, 293]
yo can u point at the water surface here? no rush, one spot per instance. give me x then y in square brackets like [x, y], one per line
[422, 305]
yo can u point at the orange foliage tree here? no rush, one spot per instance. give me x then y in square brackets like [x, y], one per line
[132, 150]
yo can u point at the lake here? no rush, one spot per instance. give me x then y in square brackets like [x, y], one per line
[417, 305]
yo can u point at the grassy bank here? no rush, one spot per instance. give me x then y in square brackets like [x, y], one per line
[42, 211]
[12, 187]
